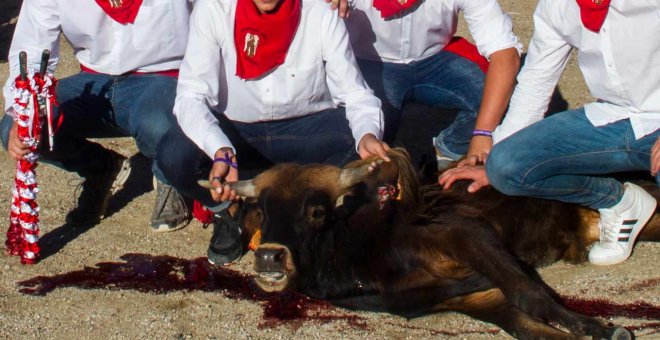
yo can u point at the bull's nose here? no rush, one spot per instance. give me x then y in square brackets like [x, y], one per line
[269, 259]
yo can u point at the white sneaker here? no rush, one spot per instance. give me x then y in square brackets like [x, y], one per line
[620, 225]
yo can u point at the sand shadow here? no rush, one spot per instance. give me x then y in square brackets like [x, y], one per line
[139, 183]
[8, 12]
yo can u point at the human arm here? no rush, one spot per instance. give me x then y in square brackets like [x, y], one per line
[348, 88]
[655, 157]
[492, 31]
[546, 59]
[198, 88]
[499, 84]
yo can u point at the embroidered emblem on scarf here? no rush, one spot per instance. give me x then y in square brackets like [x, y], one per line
[262, 40]
[121, 11]
[390, 8]
[593, 13]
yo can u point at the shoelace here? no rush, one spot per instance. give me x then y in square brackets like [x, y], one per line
[609, 230]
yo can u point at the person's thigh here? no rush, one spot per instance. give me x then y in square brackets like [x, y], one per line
[182, 163]
[562, 157]
[85, 101]
[322, 137]
[143, 107]
[448, 81]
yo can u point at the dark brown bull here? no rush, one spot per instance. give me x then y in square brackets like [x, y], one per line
[342, 236]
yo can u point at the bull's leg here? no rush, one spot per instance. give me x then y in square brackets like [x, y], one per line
[475, 244]
[492, 306]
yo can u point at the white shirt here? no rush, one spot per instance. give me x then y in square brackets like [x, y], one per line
[156, 40]
[319, 73]
[427, 30]
[621, 65]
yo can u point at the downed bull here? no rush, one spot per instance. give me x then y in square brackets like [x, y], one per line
[375, 239]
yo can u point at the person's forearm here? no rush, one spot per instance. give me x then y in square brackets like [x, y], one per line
[498, 88]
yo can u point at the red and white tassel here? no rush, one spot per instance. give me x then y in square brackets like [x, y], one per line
[23, 233]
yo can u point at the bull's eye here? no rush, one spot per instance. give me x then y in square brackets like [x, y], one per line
[316, 215]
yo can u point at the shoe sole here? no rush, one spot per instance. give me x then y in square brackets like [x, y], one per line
[633, 236]
[165, 228]
[117, 184]
[237, 257]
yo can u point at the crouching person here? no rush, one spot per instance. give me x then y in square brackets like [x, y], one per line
[264, 82]
[567, 156]
[129, 58]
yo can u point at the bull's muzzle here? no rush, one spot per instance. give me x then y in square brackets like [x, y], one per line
[274, 267]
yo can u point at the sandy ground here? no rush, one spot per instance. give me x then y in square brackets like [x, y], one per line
[219, 312]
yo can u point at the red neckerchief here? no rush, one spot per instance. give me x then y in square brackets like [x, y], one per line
[122, 11]
[468, 51]
[262, 40]
[593, 13]
[390, 8]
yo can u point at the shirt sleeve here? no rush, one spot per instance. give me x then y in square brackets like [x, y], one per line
[345, 82]
[200, 79]
[490, 27]
[546, 59]
[38, 28]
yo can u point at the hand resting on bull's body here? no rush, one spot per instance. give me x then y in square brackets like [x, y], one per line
[475, 173]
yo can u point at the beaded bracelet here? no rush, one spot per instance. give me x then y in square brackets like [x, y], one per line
[477, 132]
[226, 160]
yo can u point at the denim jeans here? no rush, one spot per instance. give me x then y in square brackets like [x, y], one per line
[323, 137]
[103, 106]
[444, 80]
[564, 157]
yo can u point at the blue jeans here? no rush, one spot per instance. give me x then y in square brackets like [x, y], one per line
[563, 157]
[103, 106]
[444, 80]
[323, 137]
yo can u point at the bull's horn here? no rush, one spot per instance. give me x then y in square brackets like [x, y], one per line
[352, 176]
[242, 188]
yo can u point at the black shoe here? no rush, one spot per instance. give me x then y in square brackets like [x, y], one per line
[97, 190]
[170, 210]
[226, 246]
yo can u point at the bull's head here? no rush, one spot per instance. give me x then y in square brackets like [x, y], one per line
[298, 203]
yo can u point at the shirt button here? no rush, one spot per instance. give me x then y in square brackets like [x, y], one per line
[267, 90]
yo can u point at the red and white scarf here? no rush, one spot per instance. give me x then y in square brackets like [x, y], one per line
[122, 11]
[262, 40]
[593, 13]
[390, 8]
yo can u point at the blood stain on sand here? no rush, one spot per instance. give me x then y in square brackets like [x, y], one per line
[164, 274]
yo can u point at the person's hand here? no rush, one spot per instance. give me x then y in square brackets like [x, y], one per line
[478, 151]
[476, 173]
[15, 147]
[344, 9]
[221, 173]
[655, 157]
[370, 146]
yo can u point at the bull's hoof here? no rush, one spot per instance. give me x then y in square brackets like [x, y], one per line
[620, 333]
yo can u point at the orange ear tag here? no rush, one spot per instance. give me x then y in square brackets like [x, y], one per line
[255, 241]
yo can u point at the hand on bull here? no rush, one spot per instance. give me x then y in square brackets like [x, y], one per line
[478, 151]
[655, 157]
[225, 169]
[16, 148]
[476, 173]
[344, 9]
[370, 146]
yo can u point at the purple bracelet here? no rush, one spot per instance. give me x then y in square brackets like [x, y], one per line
[226, 160]
[477, 132]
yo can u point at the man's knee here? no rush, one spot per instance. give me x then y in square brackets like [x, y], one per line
[505, 171]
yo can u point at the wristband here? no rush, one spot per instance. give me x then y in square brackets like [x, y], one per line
[477, 132]
[226, 160]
